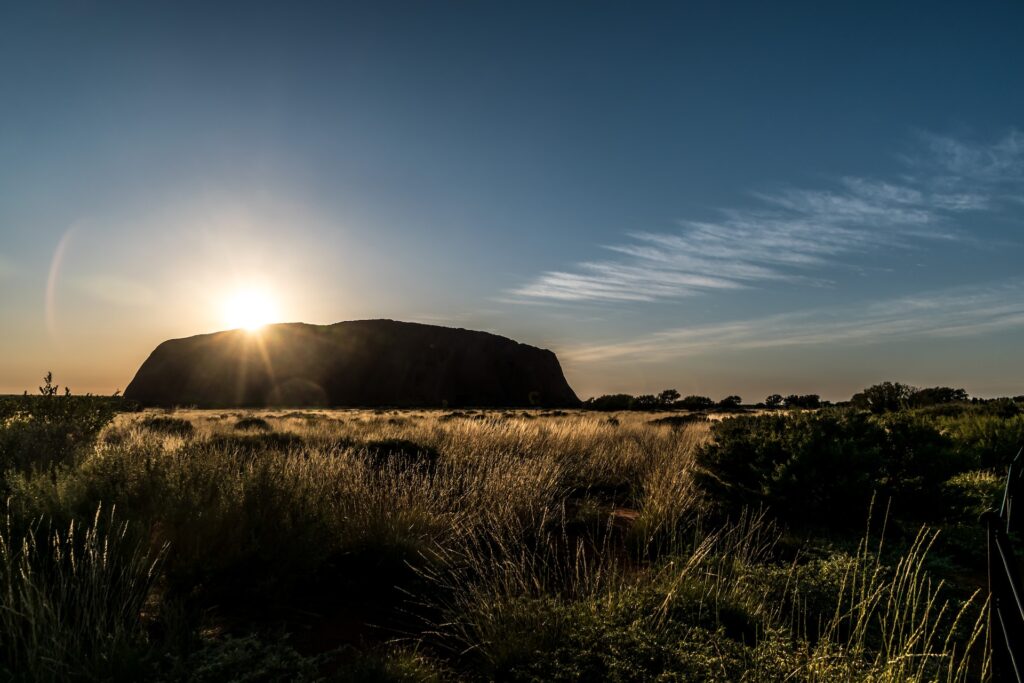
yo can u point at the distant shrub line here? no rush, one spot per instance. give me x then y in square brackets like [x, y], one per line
[879, 398]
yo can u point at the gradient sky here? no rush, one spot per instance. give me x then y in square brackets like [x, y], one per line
[718, 197]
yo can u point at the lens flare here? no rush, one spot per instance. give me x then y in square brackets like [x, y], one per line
[53, 277]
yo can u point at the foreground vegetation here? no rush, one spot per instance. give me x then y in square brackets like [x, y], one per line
[831, 545]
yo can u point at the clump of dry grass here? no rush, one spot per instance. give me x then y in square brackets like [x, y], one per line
[892, 623]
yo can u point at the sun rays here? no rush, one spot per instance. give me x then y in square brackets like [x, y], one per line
[250, 308]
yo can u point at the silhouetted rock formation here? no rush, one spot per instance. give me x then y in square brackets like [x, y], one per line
[358, 363]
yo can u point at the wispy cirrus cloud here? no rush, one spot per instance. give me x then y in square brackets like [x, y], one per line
[947, 313]
[971, 164]
[792, 234]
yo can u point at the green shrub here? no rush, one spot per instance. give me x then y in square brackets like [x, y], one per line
[247, 659]
[946, 410]
[985, 441]
[1001, 407]
[46, 431]
[972, 493]
[917, 460]
[548, 640]
[824, 468]
[805, 466]
[390, 665]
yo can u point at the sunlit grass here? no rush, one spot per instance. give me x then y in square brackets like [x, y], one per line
[494, 544]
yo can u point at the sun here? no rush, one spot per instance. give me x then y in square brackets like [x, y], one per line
[250, 309]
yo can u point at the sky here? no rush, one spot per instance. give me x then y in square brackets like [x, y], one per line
[719, 197]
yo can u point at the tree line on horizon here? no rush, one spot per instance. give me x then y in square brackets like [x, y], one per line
[878, 398]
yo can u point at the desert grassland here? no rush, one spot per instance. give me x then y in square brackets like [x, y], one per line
[443, 545]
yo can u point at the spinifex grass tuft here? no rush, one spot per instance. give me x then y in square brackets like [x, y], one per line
[72, 599]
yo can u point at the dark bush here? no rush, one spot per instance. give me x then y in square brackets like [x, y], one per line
[918, 459]
[800, 465]
[883, 398]
[679, 420]
[985, 441]
[174, 426]
[545, 640]
[1001, 407]
[50, 429]
[646, 402]
[730, 403]
[668, 397]
[245, 659]
[385, 666]
[806, 401]
[695, 403]
[972, 493]
[933, 396]
[947, 410]
[825, 467]
[665, 400]
[609, 402]
[252, 424]
[251, 444]
[400, 454]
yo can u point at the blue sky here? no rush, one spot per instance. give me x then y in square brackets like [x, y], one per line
[717, 197]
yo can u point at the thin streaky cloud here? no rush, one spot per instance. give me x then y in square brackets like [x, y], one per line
[1000, 162]
[794, 234]
[959, 312]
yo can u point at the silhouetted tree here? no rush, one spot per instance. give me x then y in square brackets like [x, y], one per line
[695, 403]
[1001, 407]
[609, 402]
[730, 402]
[773, 401]
[886, 397]
[646, 402]
[668, 397]
[48, 388]
[808, 401]
[934, 396]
